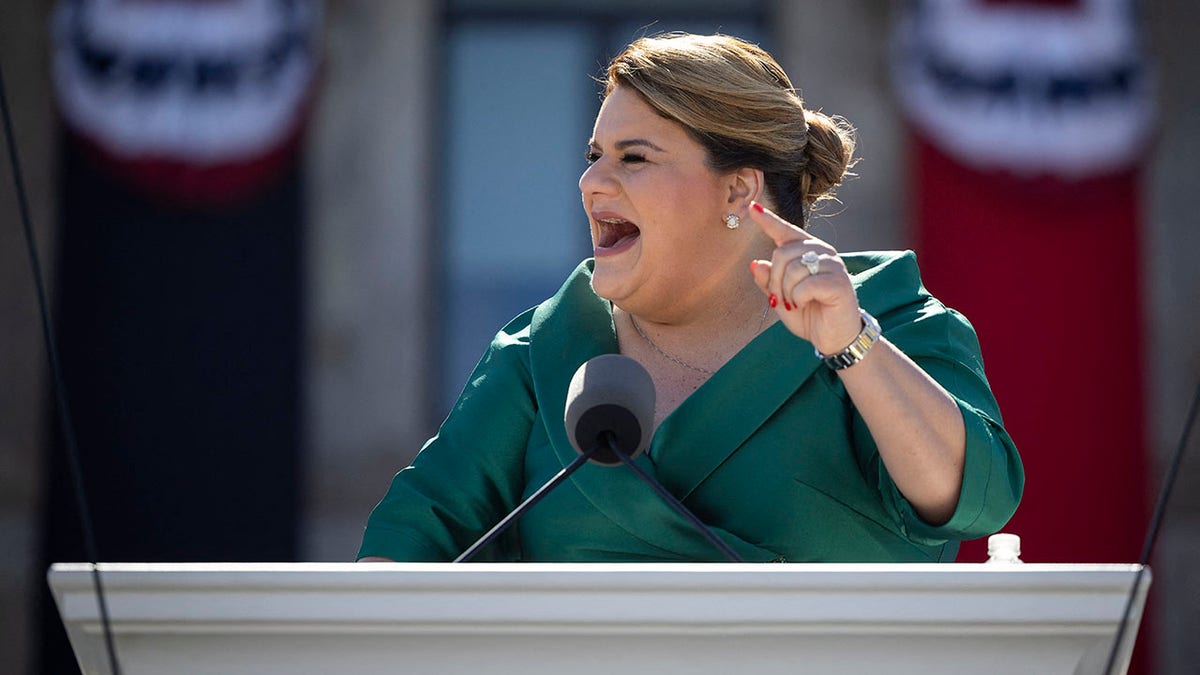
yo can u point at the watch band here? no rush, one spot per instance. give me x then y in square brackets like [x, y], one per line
[857, 351]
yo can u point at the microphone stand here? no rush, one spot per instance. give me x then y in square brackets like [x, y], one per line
[1160, 509]
[525, 506]
[74, 467]
[608, 439]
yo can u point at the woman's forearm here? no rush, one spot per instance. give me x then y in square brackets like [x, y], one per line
[916, 425]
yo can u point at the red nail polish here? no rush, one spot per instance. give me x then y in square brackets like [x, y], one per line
[757, 207]
[787, 305]
[773, 301]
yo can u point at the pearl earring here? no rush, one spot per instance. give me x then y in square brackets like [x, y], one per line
[732, 221]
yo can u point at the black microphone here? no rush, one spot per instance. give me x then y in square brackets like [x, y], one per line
[609, 395]
[610, 412]
[609, 418]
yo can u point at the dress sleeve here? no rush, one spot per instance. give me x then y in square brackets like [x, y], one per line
[943, 343]
[468, 476]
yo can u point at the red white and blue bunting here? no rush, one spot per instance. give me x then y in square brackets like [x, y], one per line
[1059, 87]
[197, 83]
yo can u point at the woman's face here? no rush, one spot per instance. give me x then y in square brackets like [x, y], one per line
[656, 211]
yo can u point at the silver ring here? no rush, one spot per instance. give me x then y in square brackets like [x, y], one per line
[812, 261]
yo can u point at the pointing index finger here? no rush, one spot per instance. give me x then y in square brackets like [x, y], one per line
[778, 229]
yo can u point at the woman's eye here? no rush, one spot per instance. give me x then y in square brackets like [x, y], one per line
[592, 156]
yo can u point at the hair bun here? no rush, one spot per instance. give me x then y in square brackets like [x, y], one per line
[828, 155]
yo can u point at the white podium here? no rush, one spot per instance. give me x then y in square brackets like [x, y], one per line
[368, 618]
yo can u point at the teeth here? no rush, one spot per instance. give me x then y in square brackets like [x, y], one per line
[617, 230]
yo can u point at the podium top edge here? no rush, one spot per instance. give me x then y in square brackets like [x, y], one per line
[584, 568]
[347, 575]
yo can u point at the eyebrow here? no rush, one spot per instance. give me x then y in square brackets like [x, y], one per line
[629, 143]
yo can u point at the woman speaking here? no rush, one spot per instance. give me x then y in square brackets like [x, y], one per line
[811, 405]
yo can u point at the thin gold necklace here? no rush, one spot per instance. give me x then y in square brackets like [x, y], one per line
[761, 320]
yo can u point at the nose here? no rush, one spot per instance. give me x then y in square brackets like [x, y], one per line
[596, 179]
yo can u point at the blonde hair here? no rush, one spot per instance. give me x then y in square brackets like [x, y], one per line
[735, 100]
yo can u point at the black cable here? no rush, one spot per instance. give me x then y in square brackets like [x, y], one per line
[611, 441]
[60, 393]
[1155, 524]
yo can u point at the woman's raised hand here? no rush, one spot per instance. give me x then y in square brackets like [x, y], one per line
[806, 282]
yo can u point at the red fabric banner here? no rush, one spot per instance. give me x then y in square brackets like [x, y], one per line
[1048, 272]
[1030, 121]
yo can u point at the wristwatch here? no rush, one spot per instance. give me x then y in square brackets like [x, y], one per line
[857, 351]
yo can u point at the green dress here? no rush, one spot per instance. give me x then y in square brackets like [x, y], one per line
[769, 452]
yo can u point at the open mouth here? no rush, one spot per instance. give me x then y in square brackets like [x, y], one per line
[615, 233]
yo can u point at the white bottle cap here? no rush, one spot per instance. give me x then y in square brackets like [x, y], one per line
[1004, 545]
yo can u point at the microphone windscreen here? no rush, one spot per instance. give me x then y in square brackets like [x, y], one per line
[613, 394]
